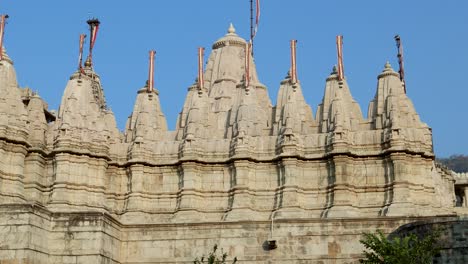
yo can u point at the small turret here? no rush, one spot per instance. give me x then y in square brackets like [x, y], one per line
[293, 116]
[37, 121]
[84, 123]
[13, 114]
[147, 122]
[337, 97]
[391, 109]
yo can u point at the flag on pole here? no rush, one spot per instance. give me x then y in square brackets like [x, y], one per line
[93, 28]
[339, 47]
[257, 17]
[94, 31]
[80, 56]
[401, 71]
[151, 71]
[248, 47]
[201, 51]
[2, 32]
[293, 62]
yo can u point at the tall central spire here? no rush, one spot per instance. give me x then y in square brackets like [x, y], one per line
[224, 81]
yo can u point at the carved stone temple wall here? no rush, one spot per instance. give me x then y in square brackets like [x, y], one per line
[237, 170]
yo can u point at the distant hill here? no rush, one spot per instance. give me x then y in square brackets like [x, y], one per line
[457, 163]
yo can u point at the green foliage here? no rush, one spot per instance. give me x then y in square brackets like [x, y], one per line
[213, 258]
[457, 163]
[409, 249]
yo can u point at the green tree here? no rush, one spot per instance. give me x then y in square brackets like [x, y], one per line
[213, 258]
[409, 249]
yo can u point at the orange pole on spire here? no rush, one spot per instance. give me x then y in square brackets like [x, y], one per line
[201, 51]
[401, 71]
[248, 52]
[80, 56]
[151, 71]
[339, 47]
[2, 32]
[293, 62]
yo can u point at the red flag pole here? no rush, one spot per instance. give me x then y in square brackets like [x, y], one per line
[151, 71]
[80, 56]
[257, 16]
[253, 30]
[339, 47]
[2, 32]
[93, 28]
[293, 62]
[248, 47]
[251, 21]
[401, 71]
[200, 67]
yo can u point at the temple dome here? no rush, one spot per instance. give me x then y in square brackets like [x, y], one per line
[231, 38]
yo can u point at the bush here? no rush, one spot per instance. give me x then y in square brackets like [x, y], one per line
[409, 249]
[213, 258]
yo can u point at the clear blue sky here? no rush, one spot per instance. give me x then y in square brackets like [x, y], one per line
[42, 39]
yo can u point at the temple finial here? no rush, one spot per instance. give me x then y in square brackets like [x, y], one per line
[88, 63]
[231, 29]
[387, 66]
[334, 70]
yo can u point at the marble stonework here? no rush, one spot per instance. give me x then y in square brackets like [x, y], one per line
[236, 171]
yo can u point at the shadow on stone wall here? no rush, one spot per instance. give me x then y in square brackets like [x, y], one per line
[453, 237]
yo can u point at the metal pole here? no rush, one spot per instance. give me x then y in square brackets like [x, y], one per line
[401, 71]
[150, 87]
[293, 62]
[339, 47]
[2, 32]
[200, 68]
[251, 24]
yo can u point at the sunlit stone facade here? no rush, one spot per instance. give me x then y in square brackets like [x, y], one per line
[237, 171]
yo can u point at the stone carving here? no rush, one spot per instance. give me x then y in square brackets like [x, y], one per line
[233, 159]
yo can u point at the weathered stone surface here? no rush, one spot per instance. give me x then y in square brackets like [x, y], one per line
[74, 189]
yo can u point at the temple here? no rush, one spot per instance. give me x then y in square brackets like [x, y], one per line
[267, 183]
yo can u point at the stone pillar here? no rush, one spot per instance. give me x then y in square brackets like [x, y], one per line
[188, 200]
[465, 197]
[401, 204]
[241, 201]
[79, 182]
[12, 158]
[289, 196]
[344, 195]
[134, 188]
